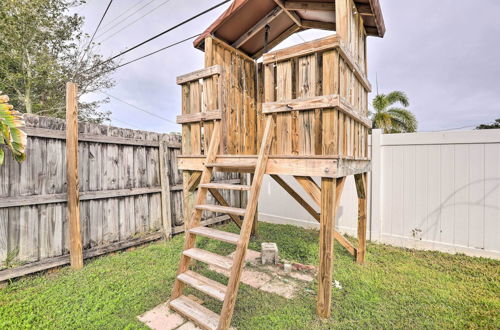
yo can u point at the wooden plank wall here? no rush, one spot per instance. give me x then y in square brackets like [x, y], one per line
[239, 110]
[120, 189]
[198, 96]
[327, 132]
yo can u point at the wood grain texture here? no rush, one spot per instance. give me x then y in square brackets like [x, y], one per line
[361, 189]
[246, 229]
[325, 269]
[120, 190]
[166, 213]
[76, 248]
[193, 217]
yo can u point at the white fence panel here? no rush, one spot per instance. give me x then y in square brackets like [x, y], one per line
[438, 191]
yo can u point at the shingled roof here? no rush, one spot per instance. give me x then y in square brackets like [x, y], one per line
[242, 25]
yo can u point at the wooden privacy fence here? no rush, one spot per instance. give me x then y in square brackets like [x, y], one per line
[124, 177]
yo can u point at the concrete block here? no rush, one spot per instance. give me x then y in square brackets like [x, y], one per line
[269, 253]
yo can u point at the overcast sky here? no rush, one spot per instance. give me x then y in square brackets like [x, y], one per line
[444, 54]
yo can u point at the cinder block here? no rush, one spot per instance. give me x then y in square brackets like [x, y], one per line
[269, 253]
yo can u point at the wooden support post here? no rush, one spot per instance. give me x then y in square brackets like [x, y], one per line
[255, 226]
[75, 237]
[342, 19]
[188, 197]
[361, 190]
[166, 214]
[327, 225]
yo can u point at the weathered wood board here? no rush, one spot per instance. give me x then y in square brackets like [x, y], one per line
[120, 190]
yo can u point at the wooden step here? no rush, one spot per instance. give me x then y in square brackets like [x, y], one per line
[220, 235]
[221, 209]
[199, 282]
[209, 258]
[195, 312]
[225, 186]
[249, 164]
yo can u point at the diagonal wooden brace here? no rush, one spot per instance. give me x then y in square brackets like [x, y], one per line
[222, 201]
[314, 190]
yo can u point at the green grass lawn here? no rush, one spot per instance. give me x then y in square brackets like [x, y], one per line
[396, 288]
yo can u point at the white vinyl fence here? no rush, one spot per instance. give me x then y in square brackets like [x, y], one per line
[436, 191]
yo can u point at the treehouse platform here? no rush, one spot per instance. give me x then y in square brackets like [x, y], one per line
[301, 111]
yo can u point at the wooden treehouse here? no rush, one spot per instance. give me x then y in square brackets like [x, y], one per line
[301, 111]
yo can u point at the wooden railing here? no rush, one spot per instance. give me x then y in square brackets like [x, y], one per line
[319, 95]
[201, 99]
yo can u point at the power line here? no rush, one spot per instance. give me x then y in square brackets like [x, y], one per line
[123, 122]
[152, 53]
[143, 110]
[136, 20]
[124, 12]
[98, 25]
[453, 129]
[86, 49]
[123, 20]
[166, 31]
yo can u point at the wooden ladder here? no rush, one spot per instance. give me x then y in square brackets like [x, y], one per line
[185, 306]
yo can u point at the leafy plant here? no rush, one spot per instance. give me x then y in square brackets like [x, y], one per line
[43, 46]
[390, 118]
[10, 133]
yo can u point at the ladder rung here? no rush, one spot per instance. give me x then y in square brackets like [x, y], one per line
[190, 309]
[209, 258]
[220, 235]
[212, 288]
[244, 165]
[225, 186]
[221, 209]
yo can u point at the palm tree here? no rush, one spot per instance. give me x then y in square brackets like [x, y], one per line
[390, 118]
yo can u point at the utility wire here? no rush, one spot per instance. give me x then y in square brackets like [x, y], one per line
[85, 51]
[124, 19]
[124, 12]
[141, 109]
[152, 53]
[123, 122]
[97, 28]
[135, 21]
[452, 129]
[164, 32]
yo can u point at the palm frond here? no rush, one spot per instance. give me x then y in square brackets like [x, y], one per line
[10, 133]
[406, 121]
[379, 103]
[383, 121]
[397, 97]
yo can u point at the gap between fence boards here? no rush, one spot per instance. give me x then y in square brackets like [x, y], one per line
[38, 266]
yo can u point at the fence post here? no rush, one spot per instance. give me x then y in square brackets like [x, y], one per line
[73, 186]
[376, 186]
[166, 214]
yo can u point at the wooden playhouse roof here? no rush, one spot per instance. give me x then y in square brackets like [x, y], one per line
[242, 25]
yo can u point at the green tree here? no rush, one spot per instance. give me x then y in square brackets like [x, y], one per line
[42, 47]
[11, 135]
[390, 116]
[495, 124]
